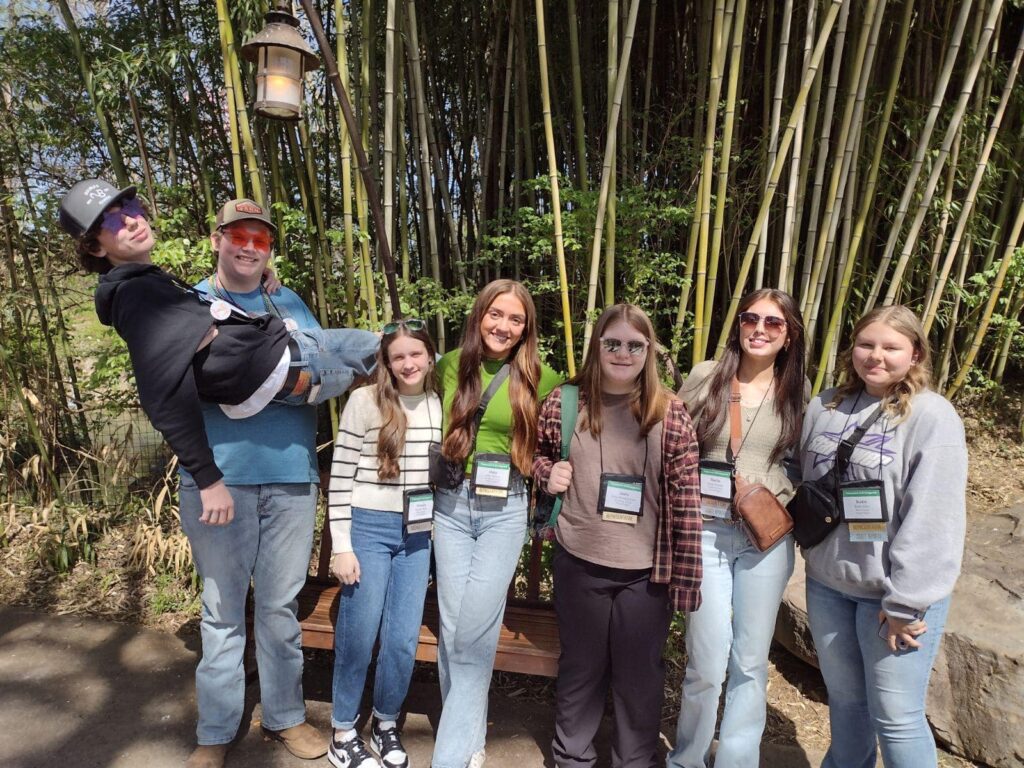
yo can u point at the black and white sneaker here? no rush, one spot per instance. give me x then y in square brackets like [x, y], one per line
[385, 742]
[351, 753]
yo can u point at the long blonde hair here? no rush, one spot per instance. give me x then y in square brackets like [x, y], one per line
[523, 380]
[896, 400]
[391, 436]
[649, 399]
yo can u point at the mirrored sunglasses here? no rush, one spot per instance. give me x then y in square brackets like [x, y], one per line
[261, 241]
[413, 324]
[771, 322]
[114, 217]
[635, 348]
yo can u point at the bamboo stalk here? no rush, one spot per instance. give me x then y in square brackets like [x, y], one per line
[990, 305]
[609, 236]
[388, 182]
[345, 144]
[609, 157]
[109, 137]
[787, 137]
[578, 126]
[969, 200]
[229, 97]
[331, 71]
[922, 150]
[701, 321]
[773, 140]
[648, 80]
[556, 204]
[939, 160]
[868, 197]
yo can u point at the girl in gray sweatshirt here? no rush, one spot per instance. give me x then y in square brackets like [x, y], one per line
[878, 586]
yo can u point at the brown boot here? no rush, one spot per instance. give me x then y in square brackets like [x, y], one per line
[302, 740]
[207, 756]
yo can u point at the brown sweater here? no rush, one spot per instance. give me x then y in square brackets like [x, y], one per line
[581, 530]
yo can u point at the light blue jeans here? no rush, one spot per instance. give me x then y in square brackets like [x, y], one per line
[268, 542]
[394, 568]
[728, 638]
[873, 693]
[334, 357]
[477, 543]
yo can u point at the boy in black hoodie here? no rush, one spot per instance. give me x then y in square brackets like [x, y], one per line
[185, 347]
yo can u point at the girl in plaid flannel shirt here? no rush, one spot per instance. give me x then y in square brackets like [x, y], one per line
[628, 539]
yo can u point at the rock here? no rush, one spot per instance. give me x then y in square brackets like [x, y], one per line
[976, 698]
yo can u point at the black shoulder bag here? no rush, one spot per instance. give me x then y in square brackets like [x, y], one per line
[815, 506]
[446, 474]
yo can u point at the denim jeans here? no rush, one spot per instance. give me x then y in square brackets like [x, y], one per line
[268, 542]
[394, 568]
[477, 543]
[334, 356]
[873, 693]
[728, 638]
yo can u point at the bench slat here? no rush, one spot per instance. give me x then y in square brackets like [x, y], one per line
[528, 642]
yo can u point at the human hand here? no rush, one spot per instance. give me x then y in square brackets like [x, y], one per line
[901, 634]
[218, 506]
[271, 281]
[560, 477]
[345, 567]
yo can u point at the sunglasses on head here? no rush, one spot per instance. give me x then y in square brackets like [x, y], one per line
[261, 241]
[771, 322]
[635, 348]
[114, 216]
[413, 324]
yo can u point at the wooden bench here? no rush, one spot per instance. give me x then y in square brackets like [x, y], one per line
[529, 632]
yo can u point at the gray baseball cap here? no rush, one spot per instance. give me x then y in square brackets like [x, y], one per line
[85, 203]
[243, 209]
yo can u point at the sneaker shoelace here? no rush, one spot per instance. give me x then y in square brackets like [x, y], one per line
[387, 739]
[356, 748]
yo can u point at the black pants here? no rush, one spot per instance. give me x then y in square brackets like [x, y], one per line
[613, 624]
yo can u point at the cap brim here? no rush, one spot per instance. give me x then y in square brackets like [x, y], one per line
[122, 195]
[264, 222]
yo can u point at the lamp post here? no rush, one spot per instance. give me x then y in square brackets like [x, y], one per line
[282, 58]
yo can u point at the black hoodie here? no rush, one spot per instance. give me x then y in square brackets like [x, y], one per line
[162, 321]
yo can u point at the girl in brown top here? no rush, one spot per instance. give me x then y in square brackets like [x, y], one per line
[628, 536]
[742, 587]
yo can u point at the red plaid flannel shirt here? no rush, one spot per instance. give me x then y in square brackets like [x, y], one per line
[677, 547]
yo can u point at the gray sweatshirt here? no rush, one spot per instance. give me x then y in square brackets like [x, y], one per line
[922, 462]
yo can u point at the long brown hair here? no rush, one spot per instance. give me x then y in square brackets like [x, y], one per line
[649, 398]
[918, 378]
[789, 376]
[522, 382]
[391, 436]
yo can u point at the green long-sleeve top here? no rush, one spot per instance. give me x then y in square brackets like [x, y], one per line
[495, 435]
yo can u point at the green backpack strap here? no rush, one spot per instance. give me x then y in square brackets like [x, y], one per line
[570, 410]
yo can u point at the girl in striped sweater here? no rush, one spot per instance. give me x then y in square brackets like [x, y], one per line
[380, 511]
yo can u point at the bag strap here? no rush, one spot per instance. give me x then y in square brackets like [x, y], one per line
[570, 411]
[492, 388]
[846, 446]
[735, 421]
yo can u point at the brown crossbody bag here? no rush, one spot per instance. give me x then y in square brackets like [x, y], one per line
[764, 519]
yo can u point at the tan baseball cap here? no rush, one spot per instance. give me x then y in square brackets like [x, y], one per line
[242, 210]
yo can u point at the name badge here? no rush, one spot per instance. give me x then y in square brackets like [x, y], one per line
[863, 502]
[418, 509]
[864, 510]
[621, 499]
[492, 474]
[716, 489]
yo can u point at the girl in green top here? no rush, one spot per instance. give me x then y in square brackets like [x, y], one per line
[480, 526]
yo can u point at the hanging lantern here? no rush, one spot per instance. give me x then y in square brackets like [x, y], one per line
[282, 58]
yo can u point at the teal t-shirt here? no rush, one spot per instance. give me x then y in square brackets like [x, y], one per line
[495, 435]
[278, 444]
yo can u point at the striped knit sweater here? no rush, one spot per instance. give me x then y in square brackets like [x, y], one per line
[354, 480]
